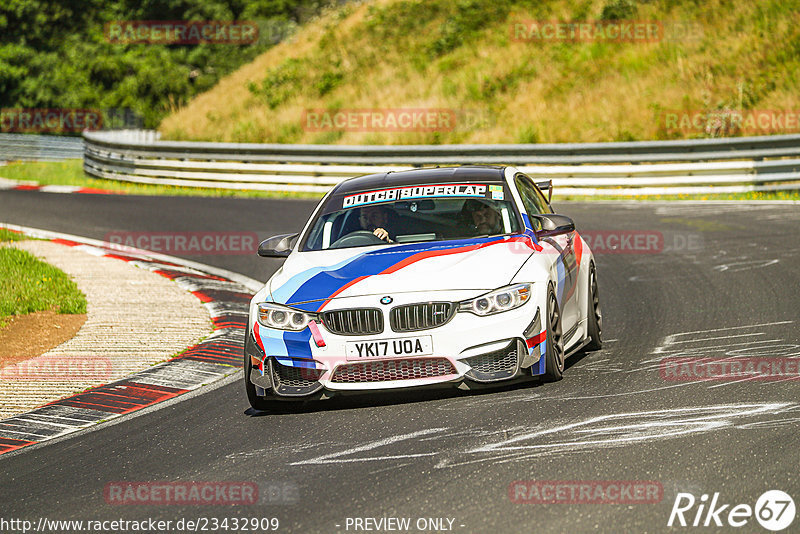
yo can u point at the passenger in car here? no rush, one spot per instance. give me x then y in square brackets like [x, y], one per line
[482, 217]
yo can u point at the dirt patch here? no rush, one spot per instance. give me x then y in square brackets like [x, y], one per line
[27, 336]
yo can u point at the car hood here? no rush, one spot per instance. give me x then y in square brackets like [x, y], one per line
[483, 264]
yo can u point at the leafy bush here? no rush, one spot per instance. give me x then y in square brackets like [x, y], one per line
[56, 55]
[469, 18]
[618, 10]
[280, 82]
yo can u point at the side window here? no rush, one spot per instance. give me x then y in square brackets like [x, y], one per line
[540, 199]
[533, 199]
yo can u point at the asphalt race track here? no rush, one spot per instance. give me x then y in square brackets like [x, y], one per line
[723, 282]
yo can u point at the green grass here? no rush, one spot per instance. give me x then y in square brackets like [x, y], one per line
[7, 235]
[29, 285]
[70, 172]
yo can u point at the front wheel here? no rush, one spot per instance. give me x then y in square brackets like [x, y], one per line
[594, 317]
[257, 402]
[554, 348]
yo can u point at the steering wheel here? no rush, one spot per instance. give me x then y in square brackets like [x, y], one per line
[359, 238]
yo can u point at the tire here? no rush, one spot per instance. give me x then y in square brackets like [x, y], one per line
[594, 316]
[267, 404]
[257, 402]
[554, 350]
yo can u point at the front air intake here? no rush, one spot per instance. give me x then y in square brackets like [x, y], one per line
[498, 365]
[293, 381]
[386, 371]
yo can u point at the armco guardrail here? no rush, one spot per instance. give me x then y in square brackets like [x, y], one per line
[636, 168]
[32, 147]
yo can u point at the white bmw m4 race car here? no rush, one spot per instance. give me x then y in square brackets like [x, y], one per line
[457, 276]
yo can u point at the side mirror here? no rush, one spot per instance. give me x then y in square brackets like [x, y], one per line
[279, 246]
[553, 224]
[546, 187]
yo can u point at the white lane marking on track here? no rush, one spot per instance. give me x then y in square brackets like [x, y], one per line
[670, 338]
[336, 457]
[765, 383]
[744, 265]
[651, 364]
[682, 426]
[616, 430]
[593, 433]
[719, 337]
[769, 424]
[281, 449]
[391, 468]
[622, 394]
[687, 344]
[694, 351]
[370, 459]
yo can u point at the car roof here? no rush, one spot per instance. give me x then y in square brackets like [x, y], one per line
[429, 175]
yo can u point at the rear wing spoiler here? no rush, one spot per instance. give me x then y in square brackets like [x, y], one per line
[547, 188]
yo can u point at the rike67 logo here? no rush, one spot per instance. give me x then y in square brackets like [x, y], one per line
[774, 510]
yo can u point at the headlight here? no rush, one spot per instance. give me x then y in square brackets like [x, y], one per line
[499, 300]
[283, 317]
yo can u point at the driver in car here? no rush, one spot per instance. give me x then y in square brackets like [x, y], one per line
[375, 219]
[483, 216]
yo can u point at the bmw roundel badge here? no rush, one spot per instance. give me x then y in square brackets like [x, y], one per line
[386, 300]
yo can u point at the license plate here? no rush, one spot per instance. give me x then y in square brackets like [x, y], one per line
[389, 348]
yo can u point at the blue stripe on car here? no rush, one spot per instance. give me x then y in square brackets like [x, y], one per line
[321, 283]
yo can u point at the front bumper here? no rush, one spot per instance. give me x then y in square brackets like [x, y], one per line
[467, 351]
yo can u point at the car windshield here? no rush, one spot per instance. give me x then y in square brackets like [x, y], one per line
[411, 221]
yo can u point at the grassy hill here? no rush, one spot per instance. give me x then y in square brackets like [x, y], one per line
[462, 56]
